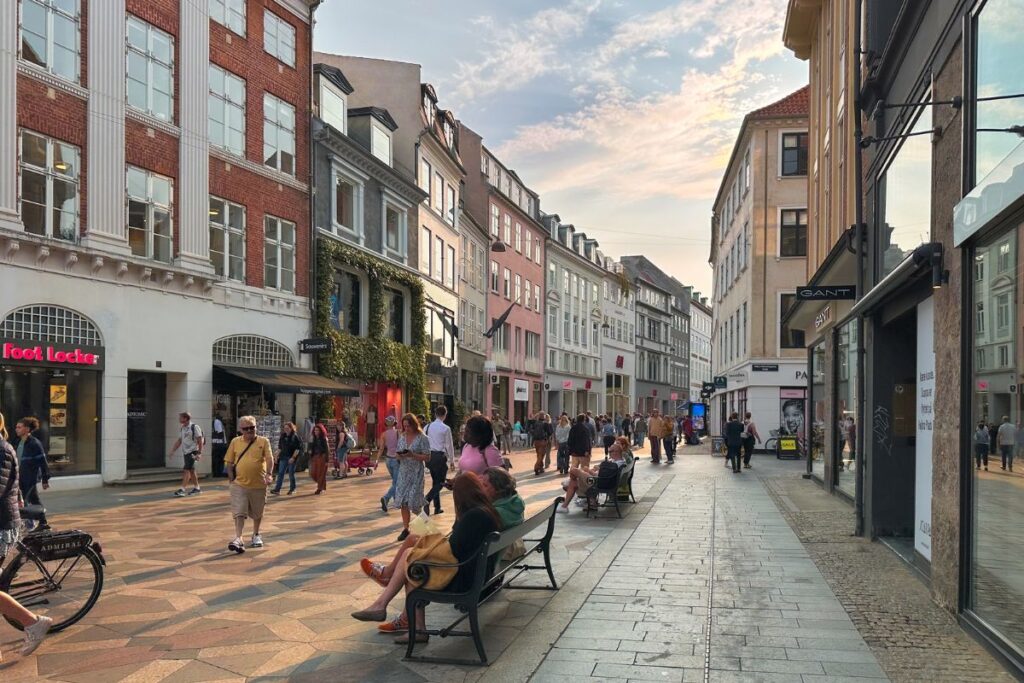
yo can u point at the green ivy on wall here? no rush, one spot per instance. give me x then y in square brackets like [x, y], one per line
[373, 358]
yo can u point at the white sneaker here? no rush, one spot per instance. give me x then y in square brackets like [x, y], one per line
[580, 502]
[256, 542]
[180, 493]
[35, 635]
[236, 545]
[196, 491]
[562, 509]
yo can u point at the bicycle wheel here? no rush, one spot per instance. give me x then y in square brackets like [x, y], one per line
[64, 590]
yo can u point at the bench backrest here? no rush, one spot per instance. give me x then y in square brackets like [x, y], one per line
[495, 542]
[611, 484]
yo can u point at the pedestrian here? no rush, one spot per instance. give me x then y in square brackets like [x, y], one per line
[219, 445]
[551, 440]
[592, 428]
[668, 439]
[562, 438]
[627, 427]
[413, 450]
[249, 460]
[981, 440]
[190, 439]
[320, 451]
[1006, 437]
[688, 431]
[579, 443]
[607, 435]
[639, 430]
[389, 451]
[33, 470]
[734, 440]
[34, 626]
[345, 443]
[654, 433]
[478, 450]
[499, 427]
[288, 448]
[541, 434]
[750, 436]
[442, 455]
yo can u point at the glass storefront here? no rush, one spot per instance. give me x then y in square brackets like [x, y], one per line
[997, 552]
[846, 408]
[66, 402]
[819, 416]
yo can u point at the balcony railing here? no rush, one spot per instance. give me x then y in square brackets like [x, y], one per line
[534, 366]
[501, 358]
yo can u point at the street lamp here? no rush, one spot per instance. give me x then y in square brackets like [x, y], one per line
[497, 246]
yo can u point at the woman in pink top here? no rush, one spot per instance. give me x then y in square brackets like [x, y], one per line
[478, 450]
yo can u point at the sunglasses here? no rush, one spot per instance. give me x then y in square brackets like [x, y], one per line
[248, 429]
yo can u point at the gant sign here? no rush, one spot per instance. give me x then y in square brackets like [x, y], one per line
[827, 293]
[27, 353]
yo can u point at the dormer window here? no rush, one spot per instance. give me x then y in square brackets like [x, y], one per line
[333, 107]
[380, 142]
[428, 109]
[449, 134]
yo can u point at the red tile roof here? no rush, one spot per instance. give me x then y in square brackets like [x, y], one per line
[794, 104]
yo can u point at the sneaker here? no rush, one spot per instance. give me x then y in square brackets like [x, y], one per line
[404, 535]
[195, 492]
[236, 545]
[383, 503]
[438, 511]
[291, 491]
[180, 493]
[580, 502]
[35, 635]
[396, 625]
[374, 570]
[562, 509]
[256, 541]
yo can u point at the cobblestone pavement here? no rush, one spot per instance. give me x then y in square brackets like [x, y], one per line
[912, 638]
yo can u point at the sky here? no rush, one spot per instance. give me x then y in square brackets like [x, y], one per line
[621, 114]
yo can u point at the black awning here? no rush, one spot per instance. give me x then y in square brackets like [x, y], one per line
[288, 380]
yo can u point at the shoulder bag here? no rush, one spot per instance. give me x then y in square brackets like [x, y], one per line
[433, 548]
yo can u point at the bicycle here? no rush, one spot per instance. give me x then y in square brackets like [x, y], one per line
[58, 574]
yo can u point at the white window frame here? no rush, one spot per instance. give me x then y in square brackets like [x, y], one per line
[151, 208]
[334, 120]
[451, 199]
[224, 226]
[536, 297]
[429, 239]
[280, 129]
[230, 14]
[53, 13]
[279, 245]
[340, 170]
[151, 60]
[276, 43]
[222, 101]
[379, 131]
[392, 200]
[495, 221]
[50, 174]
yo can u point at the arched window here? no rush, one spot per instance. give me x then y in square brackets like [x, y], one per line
[252, 351]
[54, 324]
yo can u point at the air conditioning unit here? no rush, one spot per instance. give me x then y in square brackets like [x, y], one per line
[494, 379]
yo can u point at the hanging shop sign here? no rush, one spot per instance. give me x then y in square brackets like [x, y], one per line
[315, 345]
[16, 352]
[521, 390]
[827, 293]
[567, 384]
[823, 318]
[707, 388]
[721, 382]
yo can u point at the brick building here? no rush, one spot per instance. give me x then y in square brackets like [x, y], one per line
[154, 188]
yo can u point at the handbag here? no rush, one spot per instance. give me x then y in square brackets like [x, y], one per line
[433, 548]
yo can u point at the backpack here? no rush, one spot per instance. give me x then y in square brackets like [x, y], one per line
[606, 473]
[540, 431]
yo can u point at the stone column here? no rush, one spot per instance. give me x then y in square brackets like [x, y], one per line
[9, 116]
[107, 229]
[194, 159]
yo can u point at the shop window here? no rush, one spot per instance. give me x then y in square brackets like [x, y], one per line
[394, 315]
[49, 187]
[907, 196]
[227, 239]
[252, 351]
[279, 254]
[150, 223]
[999, 55]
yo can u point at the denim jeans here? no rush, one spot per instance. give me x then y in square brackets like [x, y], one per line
[392, 464]
[285, 465]
[1006, 454]
[438, 468]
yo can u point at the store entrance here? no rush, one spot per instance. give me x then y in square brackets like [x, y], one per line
[147, 407]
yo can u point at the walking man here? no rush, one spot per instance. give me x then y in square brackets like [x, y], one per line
[442, 455]
[191, 442]
[32, 468]
[654, 432]
[734, 441]
[750, 434]
[1006, 436]
[389, 451]
[249, 460]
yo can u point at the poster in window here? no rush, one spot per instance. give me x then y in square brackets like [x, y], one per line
[58, 417]
[792, 417]
[58, 446]
[58, 394]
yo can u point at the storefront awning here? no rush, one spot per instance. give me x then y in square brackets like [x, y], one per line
[289, 380]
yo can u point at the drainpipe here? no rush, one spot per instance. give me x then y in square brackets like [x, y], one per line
[860, 236]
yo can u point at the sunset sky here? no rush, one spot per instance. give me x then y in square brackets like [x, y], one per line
[621, 114]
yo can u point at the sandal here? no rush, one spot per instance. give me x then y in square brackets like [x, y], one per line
[373, 570]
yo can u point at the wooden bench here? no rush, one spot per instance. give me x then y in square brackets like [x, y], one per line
[610, 487]
[483, 586]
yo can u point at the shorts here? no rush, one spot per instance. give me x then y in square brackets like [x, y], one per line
[579, 461]
[190, 460]
[247, 502]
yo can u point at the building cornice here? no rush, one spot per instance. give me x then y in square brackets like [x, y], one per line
[258, 169]
[46, 78]
[151, 122]
[352, 152]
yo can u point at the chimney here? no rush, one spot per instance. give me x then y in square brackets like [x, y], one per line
[704, 301]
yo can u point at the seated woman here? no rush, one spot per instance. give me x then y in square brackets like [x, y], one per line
[581, 478]
[475, 518]
[627, 449]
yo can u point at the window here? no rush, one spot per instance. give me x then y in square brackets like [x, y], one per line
[438, 273]
[227, 110]
[979, 318]
[229, 13]
[426, 173]
[278, 134]
[333, 107]
[519, 237]
[450, 205]
[529, 245]
[346, 303]
[1004, 257]
[794, 154]
[50, 36]
[789, 338]
[279, 254]
[1004, 355]
[508, 284]
[437, 193]
[536, 298]
[536, 251]
[1002, 313]
[49, 187]
[348, 206]
[495, 221]
[979, 359]
[565, 281]
[494, 276]
[380, 143]
[508, 229]
[394, 315]
[793, 233]
[906, 196]
[425, 244]
[395, 230]
[149, 215]
[519, 288]
[278, 38]
[227, 239]
[532, 344]
[449, 272]
[997, 56]
[150, 69]
[526, 294]
[552, 276]
[552, 323]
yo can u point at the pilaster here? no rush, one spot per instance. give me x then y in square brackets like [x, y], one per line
[9, 116]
